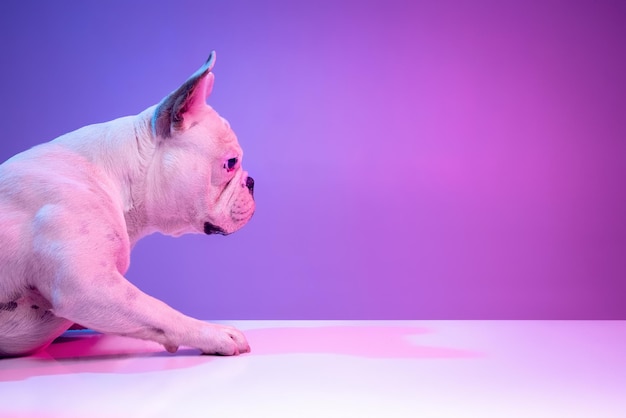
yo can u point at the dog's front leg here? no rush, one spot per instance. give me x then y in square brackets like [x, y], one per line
[111, 304]
[80, 265]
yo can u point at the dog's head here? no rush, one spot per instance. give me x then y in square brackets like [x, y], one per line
[196, 182]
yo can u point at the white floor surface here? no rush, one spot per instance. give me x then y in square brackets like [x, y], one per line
[455, 369]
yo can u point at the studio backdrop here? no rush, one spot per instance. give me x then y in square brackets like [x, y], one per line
[413, 159]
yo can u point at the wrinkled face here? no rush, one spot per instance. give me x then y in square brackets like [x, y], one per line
[200, 182]
[230, 195]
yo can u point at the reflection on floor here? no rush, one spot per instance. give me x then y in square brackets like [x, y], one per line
[334, 369]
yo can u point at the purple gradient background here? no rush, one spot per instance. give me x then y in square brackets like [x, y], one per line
[446, 159]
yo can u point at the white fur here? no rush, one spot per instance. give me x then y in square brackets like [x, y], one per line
[71, 210]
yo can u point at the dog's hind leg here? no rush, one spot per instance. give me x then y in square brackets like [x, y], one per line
[26, 327]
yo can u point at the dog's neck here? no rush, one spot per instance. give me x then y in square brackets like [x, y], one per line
[133, 186]
[124, 148]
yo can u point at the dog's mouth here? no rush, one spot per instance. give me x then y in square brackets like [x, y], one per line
[211, 229]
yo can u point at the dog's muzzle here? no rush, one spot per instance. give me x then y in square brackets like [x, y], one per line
[211, 229]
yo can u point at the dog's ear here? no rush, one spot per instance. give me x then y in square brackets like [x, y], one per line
[175, 111]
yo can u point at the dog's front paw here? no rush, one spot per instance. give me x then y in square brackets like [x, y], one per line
[224, 340]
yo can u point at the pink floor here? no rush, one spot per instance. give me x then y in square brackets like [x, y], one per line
[335, 369]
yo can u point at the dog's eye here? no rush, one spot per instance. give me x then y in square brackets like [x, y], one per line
[231, 164]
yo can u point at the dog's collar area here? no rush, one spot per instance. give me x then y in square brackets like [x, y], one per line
[209, 229]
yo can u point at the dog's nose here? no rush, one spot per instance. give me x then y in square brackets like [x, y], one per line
[250, 184]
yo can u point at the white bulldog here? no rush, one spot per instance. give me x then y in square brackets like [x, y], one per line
[72, 209]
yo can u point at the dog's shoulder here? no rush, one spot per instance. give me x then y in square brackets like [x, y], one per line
[53, 184]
